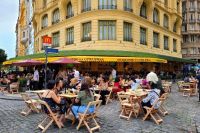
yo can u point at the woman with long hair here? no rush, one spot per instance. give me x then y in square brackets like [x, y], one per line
[84, 97]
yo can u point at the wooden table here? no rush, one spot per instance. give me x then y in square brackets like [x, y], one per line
[68, 95]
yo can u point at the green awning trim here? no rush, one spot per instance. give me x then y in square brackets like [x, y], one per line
[104, 53]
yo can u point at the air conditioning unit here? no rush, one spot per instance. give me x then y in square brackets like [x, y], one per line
[24, 37]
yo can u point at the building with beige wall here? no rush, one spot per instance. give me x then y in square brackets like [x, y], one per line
[24, 30]
[147, 26]
[191, 29]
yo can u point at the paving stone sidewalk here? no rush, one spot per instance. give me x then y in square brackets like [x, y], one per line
[184, 117]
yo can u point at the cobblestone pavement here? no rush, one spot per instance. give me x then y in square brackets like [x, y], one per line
[184, 117]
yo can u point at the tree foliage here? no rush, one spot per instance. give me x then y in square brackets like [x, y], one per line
[3, 56]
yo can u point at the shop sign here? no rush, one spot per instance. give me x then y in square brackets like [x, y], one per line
[46, 41]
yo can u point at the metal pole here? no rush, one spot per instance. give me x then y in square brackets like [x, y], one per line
[46, 56]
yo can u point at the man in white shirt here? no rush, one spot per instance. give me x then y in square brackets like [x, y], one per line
[35, 79]
[114, 73]
[76, 74]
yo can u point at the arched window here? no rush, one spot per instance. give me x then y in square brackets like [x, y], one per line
[128, 5]
[175, 27]
[70, 12]
[143, 11]
[56, 16]
[166, 21]
[86, 5]
[107, 4]
[44, 21]
[155, 16]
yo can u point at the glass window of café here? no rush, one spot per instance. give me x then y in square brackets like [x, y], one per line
[86, 31]
[55, 39]
[107, 30]
[166, 21]
[143, 36]
[86, 5]
[70, 35]
[143, 10]
[166, 43]
[155, 39]
[70, 12]
[56, 16]
[155, 16]
[174, 45]
[128, 32]
[44, 21]
[107, 4]
[128, 5]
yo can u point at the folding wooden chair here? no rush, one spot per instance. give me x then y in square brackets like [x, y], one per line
[123, 98]
[50, 118]
[130, 108]
[153, 113]
[162, 108]
[97, 97]
[86, 118]
[31, 105]
[180, 85]
[108, 97]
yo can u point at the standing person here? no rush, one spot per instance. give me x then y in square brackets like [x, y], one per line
[76, 73]
[198, 78]
[35, 79]
[114, 73]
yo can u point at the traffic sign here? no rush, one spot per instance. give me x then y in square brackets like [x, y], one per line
[51, 50]
[46, 41]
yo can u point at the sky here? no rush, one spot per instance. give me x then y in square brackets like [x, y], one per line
[8, 20]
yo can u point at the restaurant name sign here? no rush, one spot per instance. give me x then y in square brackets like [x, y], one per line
[46, 41]
[116, 59]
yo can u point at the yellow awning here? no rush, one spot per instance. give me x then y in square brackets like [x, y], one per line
[99, 59]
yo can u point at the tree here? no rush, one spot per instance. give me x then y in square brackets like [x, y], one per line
[3, 56]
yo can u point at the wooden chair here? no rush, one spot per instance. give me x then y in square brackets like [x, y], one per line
[180, 85]
[86, 118]
[130, 108]
[31, 105]
[123, 98]
[153, 113]
[97, 97]
[190, 89]
[108, 97]
[162, 108]
[50, 118]
[14, 88]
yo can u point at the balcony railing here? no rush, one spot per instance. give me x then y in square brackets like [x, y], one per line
[69, 16]
[102, 7]
[84, 39]
[69, 42]
[128, 9]
[128, 39]
[143, 42]
[86, 9]
[192, 20]
[55, 22]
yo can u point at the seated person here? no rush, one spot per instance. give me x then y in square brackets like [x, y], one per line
[152, 96]
[4, 83]
[103, 88]
[84, 97]
[117, 87]
[132, 82]
[55, 102]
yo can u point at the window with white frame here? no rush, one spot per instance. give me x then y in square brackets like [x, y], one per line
[107, 4]
[86, 4]
[128, 5]
[70, 12]
[86, 31]
[128, 32]
[174, 45]
[55, 39]
[107, 30]
[56, 16]
[143, 10]
[155, 16]
[166, 43]
[70, 35]
[166, 21]
[44, 21]
[143, 36]
[155, 39]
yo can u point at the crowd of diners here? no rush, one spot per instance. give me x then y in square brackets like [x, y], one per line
[82, 84]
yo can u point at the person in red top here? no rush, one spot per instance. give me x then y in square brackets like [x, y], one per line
[117, 86]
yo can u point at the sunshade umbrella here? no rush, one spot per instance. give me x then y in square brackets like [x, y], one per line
[65, 61]
[28, 62]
